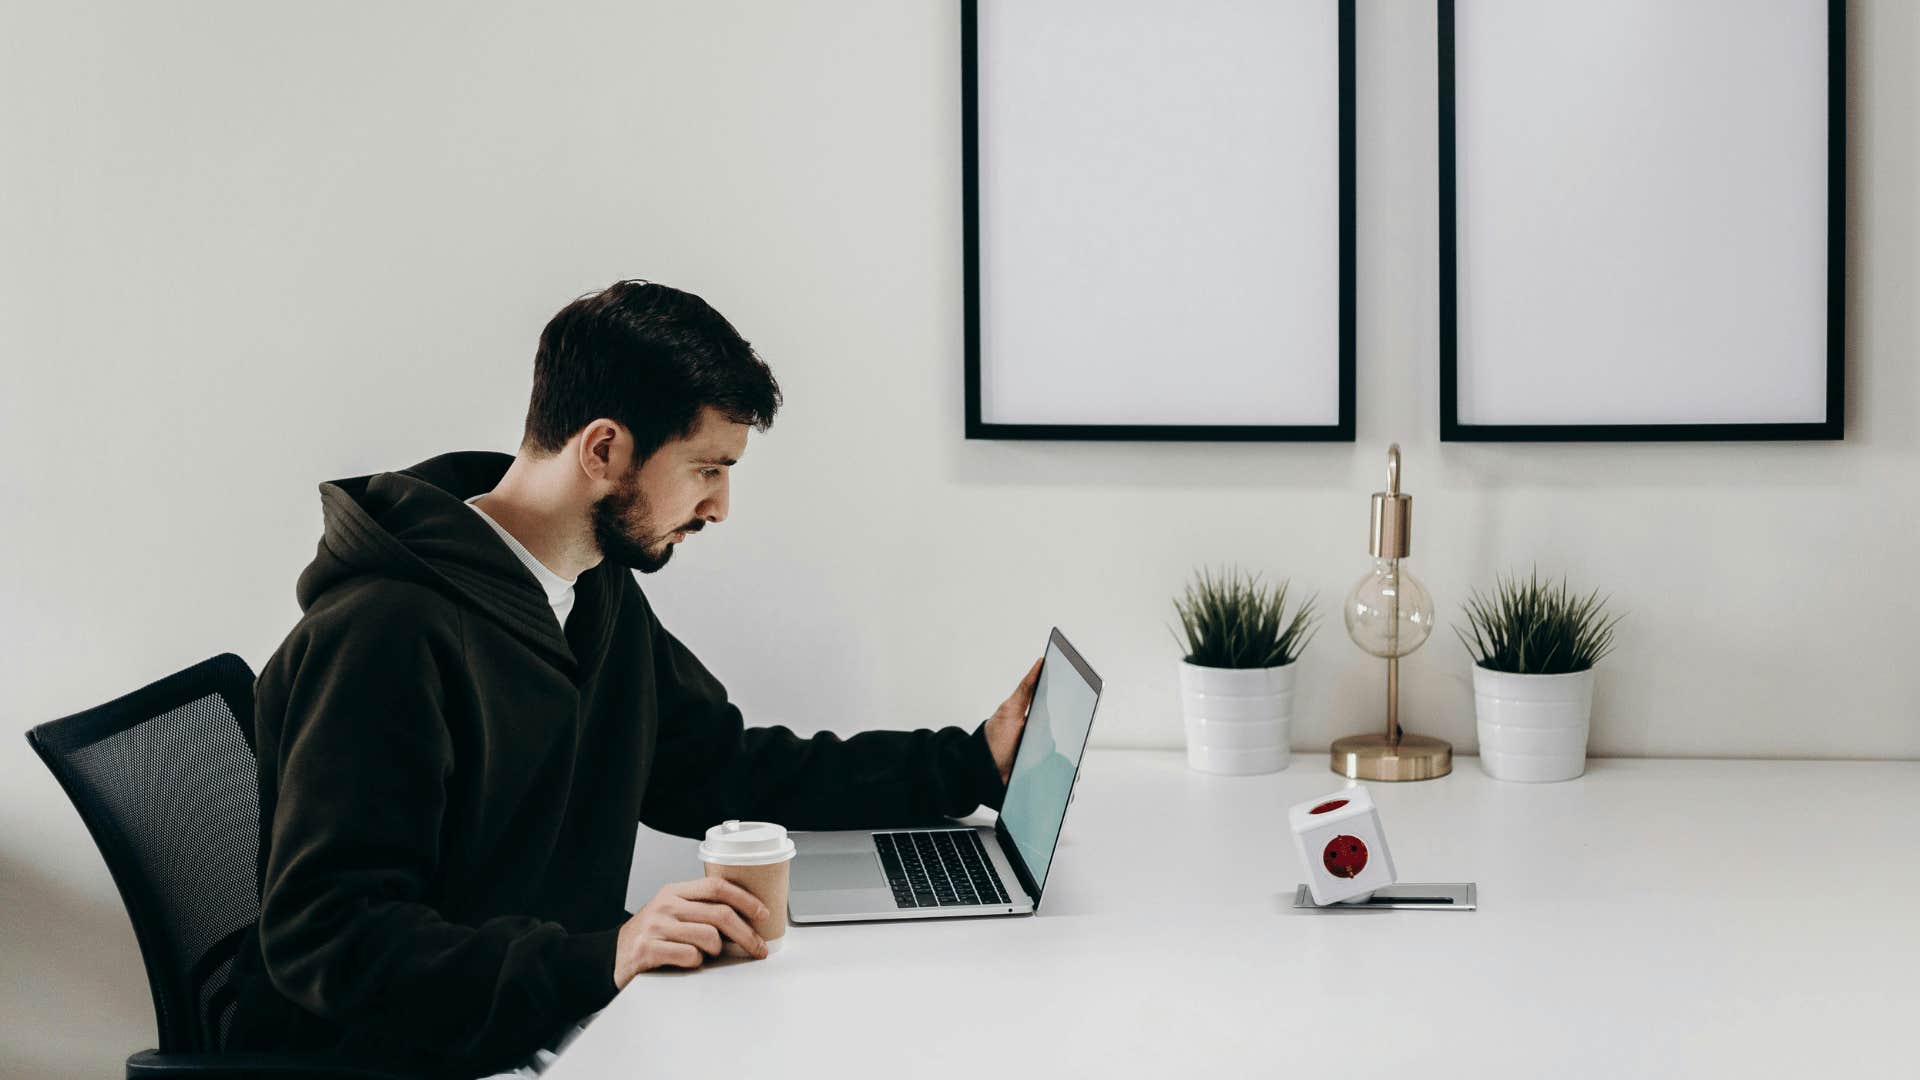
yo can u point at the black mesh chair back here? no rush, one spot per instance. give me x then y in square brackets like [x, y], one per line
[164, 778]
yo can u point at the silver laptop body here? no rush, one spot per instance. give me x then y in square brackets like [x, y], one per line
[961, 871]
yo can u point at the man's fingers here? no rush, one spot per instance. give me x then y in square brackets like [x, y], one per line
[676, 954]
[699, 934]
[1024, 692]
[726, 892]
[722, 919]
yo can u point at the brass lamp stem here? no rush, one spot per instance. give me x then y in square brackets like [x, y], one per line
[1393, 699]
[1393, 657]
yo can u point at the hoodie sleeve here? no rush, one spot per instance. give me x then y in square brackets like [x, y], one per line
[709, 767]
[347, 927]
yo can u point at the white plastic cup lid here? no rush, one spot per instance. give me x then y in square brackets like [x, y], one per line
[746, 843]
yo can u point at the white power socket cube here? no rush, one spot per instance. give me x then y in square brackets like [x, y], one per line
[1342, 847]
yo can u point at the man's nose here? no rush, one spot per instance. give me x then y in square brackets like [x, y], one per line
[714, 510]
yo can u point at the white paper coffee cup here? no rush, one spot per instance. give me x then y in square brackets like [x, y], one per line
[754, 855]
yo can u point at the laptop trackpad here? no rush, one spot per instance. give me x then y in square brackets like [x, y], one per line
[818, 872]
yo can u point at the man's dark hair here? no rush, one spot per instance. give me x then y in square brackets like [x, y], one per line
[650, 357]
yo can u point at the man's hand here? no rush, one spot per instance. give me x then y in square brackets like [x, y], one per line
[1009, 720]
[681, 927]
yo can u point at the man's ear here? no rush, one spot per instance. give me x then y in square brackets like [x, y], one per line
[604, 449]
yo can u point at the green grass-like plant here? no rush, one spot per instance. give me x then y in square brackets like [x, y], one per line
[1232, 621]
[1533, 627]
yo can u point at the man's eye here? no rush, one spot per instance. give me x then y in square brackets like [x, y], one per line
[710, 474]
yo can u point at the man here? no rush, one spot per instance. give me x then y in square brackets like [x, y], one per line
[478, 706]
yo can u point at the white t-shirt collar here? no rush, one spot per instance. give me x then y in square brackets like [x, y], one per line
[559, 590]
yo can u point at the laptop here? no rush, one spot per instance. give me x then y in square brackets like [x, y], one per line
[960, 870]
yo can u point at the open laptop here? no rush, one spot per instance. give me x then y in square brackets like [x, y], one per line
[959, 870]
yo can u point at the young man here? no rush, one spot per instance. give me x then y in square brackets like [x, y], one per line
[478, 707]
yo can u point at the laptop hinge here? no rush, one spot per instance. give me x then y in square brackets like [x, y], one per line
[1011, 852]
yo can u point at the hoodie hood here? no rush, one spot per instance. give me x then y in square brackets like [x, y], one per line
[413, 525]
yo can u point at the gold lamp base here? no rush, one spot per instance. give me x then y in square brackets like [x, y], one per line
[1375, 757]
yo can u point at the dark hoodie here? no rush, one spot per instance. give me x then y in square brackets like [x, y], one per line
[450, 785]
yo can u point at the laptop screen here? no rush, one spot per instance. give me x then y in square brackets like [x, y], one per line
[1049, 755]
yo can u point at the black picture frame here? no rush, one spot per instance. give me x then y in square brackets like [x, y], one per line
[976, 428]
[1829, 428]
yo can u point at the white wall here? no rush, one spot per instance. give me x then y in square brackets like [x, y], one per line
[247, 247]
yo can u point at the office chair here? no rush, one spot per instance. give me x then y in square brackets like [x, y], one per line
[164, 779]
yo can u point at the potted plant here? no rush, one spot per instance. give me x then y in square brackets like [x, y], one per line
[1534, 647]
[1236, 680]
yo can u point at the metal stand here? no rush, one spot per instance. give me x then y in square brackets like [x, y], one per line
[1451, 896]
[1395, 755]
[1381, 757]
[1392, 755]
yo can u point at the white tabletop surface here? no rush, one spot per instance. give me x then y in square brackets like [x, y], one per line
[1652, 918]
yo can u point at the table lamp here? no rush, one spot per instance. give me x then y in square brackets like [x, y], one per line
[1389, 614]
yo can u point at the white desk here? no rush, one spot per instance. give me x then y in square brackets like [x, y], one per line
[1653, 918]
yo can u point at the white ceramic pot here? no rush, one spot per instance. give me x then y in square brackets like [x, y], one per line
[1532, 727]
[1238, 719]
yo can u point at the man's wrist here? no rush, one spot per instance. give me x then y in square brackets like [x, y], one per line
[989, 784]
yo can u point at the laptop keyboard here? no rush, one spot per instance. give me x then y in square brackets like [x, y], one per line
[938, 868]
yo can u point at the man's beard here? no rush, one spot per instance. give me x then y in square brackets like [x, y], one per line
[646, 551]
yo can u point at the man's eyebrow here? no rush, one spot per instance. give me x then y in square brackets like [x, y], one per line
[716, 461]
